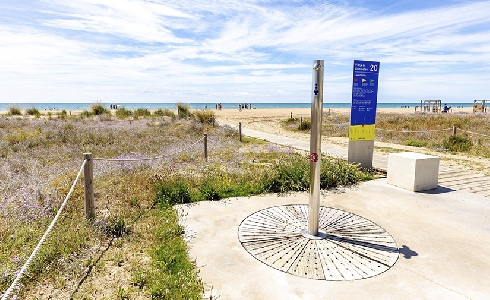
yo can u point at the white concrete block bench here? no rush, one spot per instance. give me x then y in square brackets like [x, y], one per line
[413, 171]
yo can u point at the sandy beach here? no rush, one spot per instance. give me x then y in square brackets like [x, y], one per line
[273, 112]
[269, 119]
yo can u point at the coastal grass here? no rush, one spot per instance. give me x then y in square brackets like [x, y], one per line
[99, 109]
[137, 227]
[141, 113]
[123, 113]
[164, 112]
[15, 111]
[205, 116]
[183, 110]
[435, 131]
[33, 112]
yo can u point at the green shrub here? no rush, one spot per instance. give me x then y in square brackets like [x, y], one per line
[183, 111]
[86, 114]
[63, 115]
[15, 111]
[209, 190]
[205, 116]
[33, 112]
[416, 143]
[290, 121]
[288, 175]
[164, 112]
[174, 192]
[141, 113]
[337, 172]
[122, 113]
[305, 125]
[457, 143]
[293, 174]
[98, 109]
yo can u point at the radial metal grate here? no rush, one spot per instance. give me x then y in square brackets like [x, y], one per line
[354, 247]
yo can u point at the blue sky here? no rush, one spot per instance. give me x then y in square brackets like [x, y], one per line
[211, 51]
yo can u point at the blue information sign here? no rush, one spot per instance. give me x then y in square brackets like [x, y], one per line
[364, 92]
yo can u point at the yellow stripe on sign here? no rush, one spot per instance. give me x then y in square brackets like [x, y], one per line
[362, 132]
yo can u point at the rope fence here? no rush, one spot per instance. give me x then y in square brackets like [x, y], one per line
[156, 157]
[414, 131]
[454, 130]
[43, 239]
[237, 130]
[87, 169]
[475, 133]
[337, 124]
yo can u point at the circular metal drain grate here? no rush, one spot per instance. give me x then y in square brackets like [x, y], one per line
[354, 247]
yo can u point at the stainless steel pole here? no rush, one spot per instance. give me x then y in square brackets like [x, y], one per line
[315, 146]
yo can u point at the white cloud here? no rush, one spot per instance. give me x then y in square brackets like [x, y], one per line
[167, 50]
[139, 20]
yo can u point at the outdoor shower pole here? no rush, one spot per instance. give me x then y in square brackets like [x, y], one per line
[315, 147]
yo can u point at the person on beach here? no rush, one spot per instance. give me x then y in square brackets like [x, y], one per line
[446, 109]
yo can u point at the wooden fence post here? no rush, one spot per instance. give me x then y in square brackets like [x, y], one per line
[240, 130]
[206, 147]
[88, 174]
[454, 130]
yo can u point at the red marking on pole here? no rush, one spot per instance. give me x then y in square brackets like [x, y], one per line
[313, 157]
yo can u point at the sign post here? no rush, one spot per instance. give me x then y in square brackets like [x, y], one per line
[363, 112]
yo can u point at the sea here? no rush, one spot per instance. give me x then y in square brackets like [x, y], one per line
[152, 106]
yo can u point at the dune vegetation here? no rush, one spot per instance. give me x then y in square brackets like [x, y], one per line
[434, 131]
[144, 164]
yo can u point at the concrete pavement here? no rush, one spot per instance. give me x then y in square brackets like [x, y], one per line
[443, 237]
